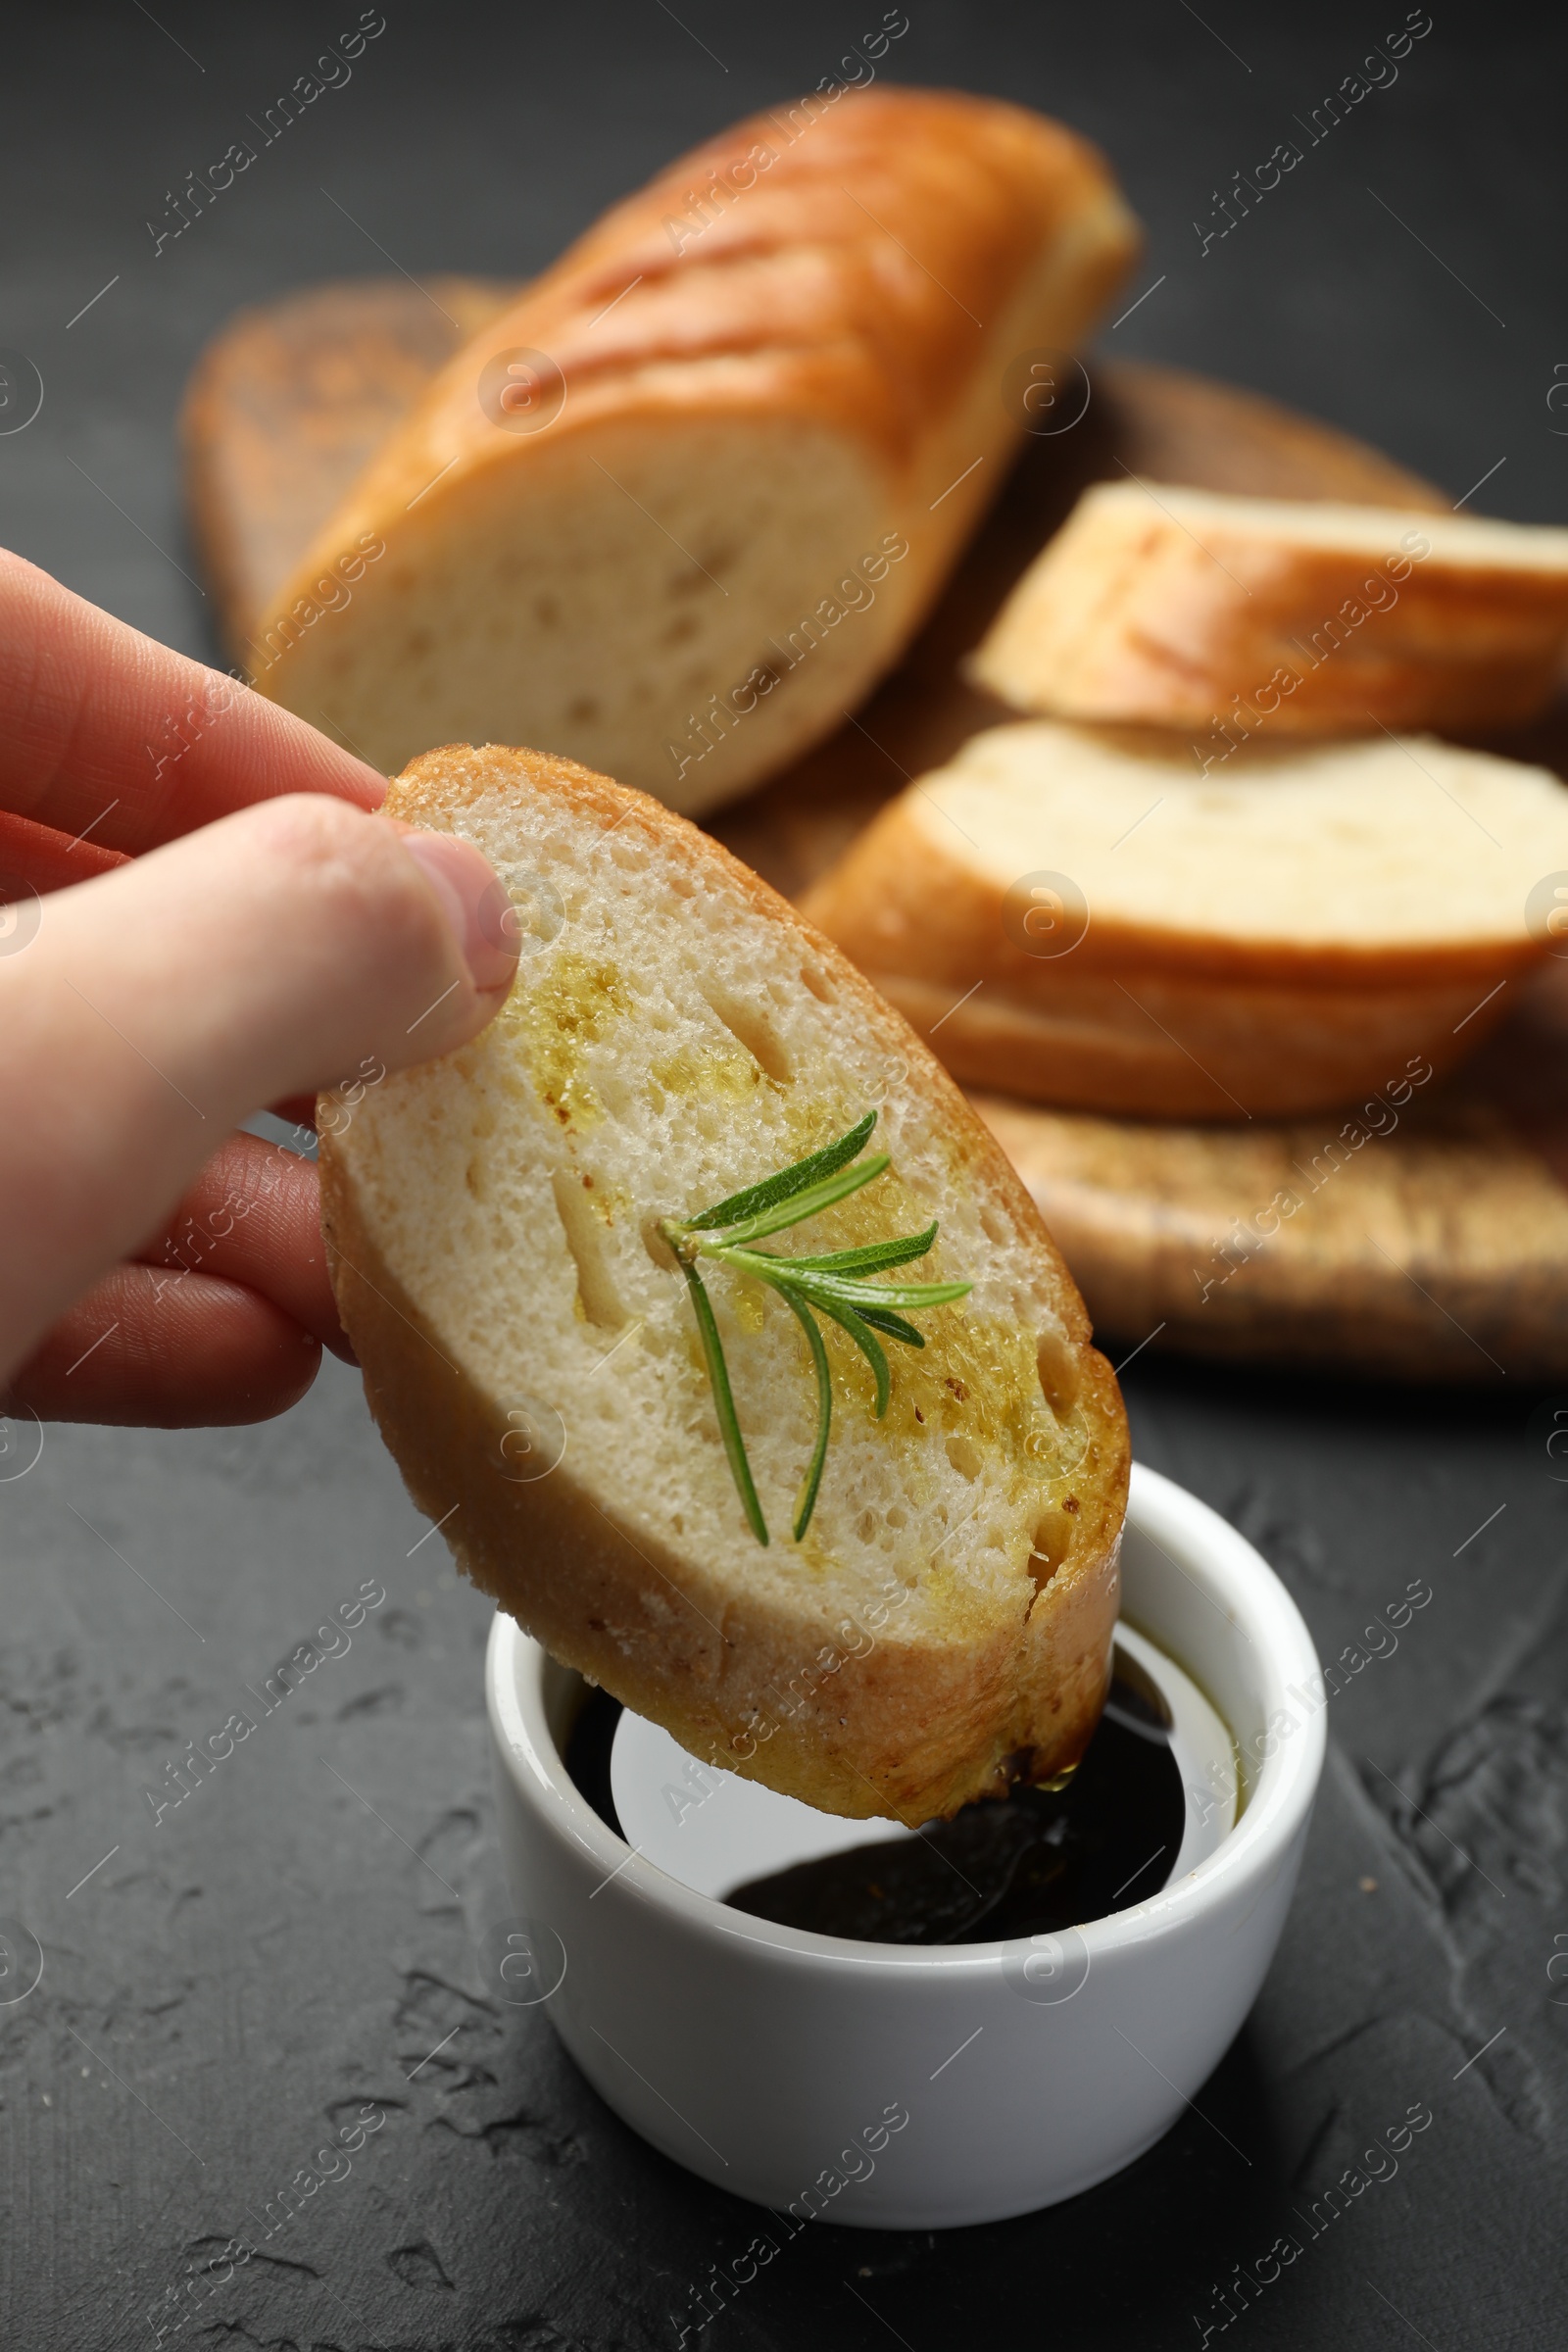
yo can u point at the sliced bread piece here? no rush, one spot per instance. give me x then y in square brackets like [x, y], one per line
[1078, 916]
[677, 1033]
[675, 509]
[1179, 608]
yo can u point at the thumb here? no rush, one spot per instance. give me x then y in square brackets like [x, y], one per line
[285, 949]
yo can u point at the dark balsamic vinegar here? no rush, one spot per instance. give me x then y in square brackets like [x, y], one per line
[1030, 1864]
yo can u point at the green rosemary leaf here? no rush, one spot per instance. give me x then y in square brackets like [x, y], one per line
[893, 1326]
[915, 1296]
[788, 1181]
[866, 1340]
[820, 1288]
[873, 1256]
[801, 1205]
[806, 1501]
[730, 1427]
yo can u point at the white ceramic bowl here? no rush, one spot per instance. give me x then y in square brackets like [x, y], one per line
[902, 2088]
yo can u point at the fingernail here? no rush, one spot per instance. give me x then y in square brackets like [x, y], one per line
[471, 896]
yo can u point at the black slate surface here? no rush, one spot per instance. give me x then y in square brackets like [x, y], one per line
[236, 1979]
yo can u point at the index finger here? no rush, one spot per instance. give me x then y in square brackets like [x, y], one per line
[107, 734]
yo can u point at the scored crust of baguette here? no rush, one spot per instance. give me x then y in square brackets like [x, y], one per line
[1171, 606]
[1274, 940]
[677, 1031]
[771, 407]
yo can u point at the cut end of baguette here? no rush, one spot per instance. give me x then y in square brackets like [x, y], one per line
[608, 588]
[1164, 606]
[676, 1032]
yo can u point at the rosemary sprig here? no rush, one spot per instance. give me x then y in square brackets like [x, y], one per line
[833, 1284]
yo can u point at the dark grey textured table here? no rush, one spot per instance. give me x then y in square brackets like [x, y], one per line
[300, 1934]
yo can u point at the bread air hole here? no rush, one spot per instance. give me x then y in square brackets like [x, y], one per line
[1049, 1547]
[818, 984]
[966, 1457]
[1060, 1372]
[584, 1235]
[751, 1029]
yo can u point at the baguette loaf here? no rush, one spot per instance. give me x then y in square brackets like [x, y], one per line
[1180, 607]
[753, 416]
[1125, 935]
[676, 1031]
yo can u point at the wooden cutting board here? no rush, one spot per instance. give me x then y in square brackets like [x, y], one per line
[1435, 1251]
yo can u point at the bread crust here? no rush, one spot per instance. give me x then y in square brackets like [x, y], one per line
[911, 1727]
[1131, 615]
[1195, 1051]
[800, 306]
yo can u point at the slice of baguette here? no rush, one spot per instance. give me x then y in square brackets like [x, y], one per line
[770, 399]
[677, 1032]
[1274, 940]
[1181, 607]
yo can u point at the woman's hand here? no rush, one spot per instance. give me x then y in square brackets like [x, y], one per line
[261, 934]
